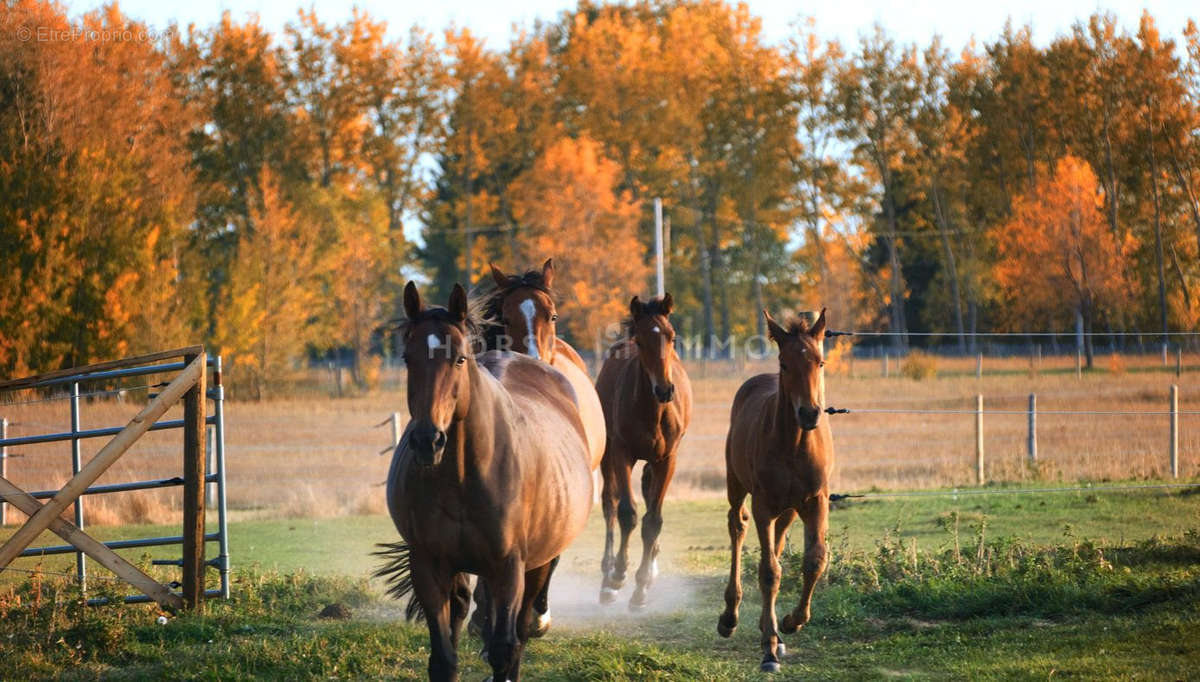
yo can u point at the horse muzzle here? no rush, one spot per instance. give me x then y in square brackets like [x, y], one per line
[428, 445]
[664, 394]
[808, 416]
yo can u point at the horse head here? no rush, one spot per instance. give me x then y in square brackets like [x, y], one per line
[526, 309]
[437, 352]
[651, 331]
[801, 357]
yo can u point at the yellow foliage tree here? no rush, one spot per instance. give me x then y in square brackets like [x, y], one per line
[265, 322]
[1056, 254]
[569, 208]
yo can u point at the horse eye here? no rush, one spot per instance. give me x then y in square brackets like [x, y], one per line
[462, 360]
[822, 363]
[554, 317]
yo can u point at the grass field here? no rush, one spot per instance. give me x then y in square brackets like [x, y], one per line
[1088, 584]
[1007, 586]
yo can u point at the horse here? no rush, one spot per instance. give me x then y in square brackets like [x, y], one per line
[520, 313]
[779, 451]
[647, 401]
[492, 477]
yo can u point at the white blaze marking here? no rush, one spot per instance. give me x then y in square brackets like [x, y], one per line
[656, 329]
[528, 310]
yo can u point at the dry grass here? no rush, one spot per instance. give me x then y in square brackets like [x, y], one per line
[315, 455]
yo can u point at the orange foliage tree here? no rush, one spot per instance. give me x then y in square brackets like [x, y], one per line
[569, 207]
[1057, 256]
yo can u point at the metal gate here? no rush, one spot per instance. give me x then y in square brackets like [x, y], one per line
[200, 477]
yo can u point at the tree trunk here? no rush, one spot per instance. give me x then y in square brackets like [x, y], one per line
[899, 327]
[1158, 240]
[944, 229]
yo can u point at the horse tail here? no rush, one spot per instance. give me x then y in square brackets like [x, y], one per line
[397, 572]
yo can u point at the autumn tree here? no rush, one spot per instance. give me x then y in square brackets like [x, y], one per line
[570, 207]
[876, 97]
[265, 320]
[1057, 256]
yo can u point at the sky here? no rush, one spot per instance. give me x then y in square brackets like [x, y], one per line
[958, 21]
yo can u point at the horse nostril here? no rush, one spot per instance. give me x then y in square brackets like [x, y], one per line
[439, 440]
[664, 393]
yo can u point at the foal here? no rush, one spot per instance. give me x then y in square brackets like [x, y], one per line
[647, 402]
[780, 451]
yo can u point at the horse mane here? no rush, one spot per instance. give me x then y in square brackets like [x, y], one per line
[487, 298]
[652, 307]
[474, 323]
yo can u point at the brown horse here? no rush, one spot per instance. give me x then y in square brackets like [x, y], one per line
[647, 402]
[520, 314]
[523, 306]
[492, 477]
[780, 451]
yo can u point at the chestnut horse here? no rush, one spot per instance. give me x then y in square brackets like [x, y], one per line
[779, 451]
[492, 477]
[520, 315]
[647, 402]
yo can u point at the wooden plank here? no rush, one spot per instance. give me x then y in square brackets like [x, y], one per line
[26, 382]
[101, 462]
[193, 488]
[105, 556]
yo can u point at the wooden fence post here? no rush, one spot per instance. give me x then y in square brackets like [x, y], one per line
[979, 365]
[395, 429]
[1031, 444]
[886, 366]
[979, 478]
[1174, 445]
[194, 413]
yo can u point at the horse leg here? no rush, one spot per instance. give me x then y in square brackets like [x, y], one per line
[738, 516]
[656, 477]
[608, 502]
[482, 618]
[614, 579]
[460, 603]
[781, 529]
[433, 589]
[768, 584]
[816, 557]
[506, 589]
[541, 604]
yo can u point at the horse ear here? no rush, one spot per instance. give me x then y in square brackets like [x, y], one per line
[773, 329]
[498, 275]
[668, 303]
[412, 301]
[635, 307]
[458, 303]
[548, 272]
[818, 328]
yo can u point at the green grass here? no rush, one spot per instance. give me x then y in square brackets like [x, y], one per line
[1089, 585]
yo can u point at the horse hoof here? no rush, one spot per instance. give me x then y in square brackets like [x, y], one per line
[607, 595]
[542, 626]
[781, 650]
[788, 625]
[637, 605]
[769, 666]
[726, 628]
